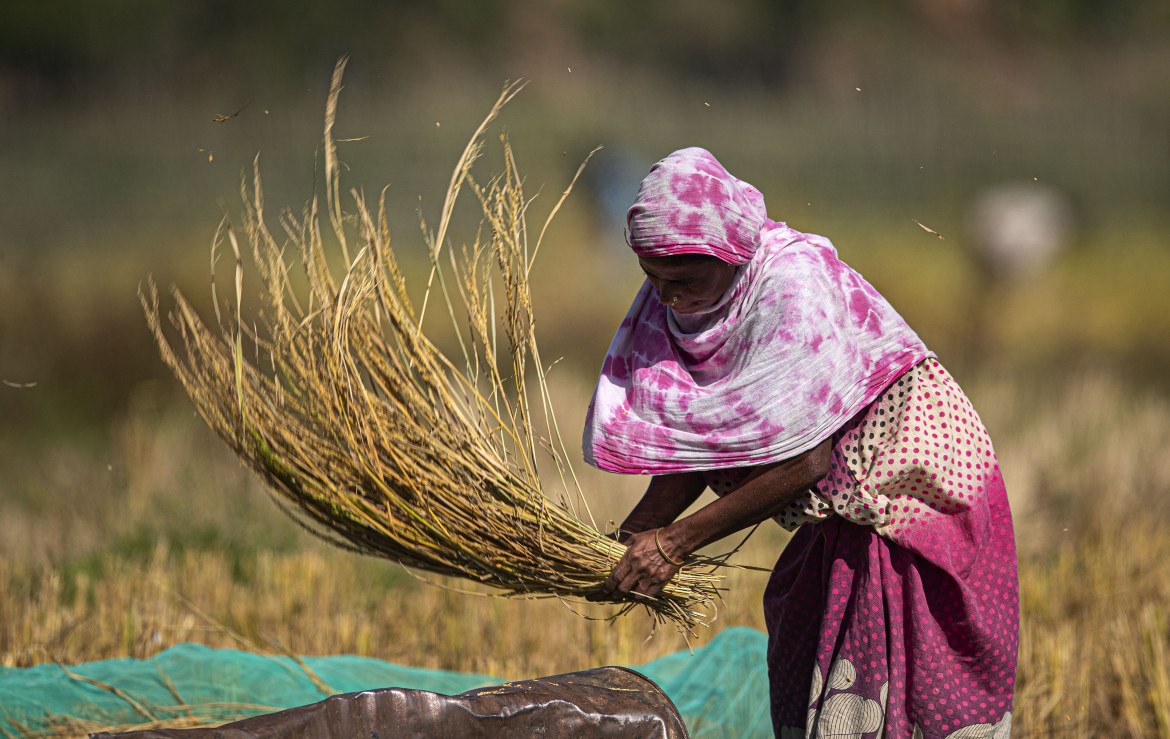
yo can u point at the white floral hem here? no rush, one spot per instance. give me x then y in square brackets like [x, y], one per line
[846, 715]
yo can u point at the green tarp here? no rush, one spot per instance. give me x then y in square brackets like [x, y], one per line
[721, 690]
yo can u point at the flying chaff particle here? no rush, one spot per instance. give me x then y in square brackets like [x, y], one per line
[222, 118]
[927, 229]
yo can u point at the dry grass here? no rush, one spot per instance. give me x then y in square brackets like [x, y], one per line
[368, 431]
[1087, 467]
[311, 602]
[1095, 633]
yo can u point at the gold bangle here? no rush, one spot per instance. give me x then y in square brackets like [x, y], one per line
[663, 552]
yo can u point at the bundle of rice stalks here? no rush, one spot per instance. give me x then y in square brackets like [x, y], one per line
[380, 442]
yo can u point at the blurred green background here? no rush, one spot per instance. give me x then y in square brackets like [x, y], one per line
[120, 153]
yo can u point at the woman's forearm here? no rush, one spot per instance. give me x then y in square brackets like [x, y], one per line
[764, 494]
[666, 497]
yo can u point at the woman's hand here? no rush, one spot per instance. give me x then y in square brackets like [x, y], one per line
[642, 569]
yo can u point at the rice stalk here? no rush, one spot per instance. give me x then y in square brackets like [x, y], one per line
[365, 429]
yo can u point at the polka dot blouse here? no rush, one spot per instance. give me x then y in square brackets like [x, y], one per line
[916, 452]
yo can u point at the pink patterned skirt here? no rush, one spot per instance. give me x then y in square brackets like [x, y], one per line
[893, 611]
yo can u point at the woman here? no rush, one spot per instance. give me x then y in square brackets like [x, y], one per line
[754, 362]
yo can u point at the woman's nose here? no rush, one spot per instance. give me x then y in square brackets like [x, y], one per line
[667, 294]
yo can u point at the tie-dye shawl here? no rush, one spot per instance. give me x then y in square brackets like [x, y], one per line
[795, 348]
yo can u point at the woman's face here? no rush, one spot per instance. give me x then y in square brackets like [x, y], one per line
[688, 283]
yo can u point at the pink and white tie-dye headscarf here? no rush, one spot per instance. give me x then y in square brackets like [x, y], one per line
[795, 348]
[689, 204]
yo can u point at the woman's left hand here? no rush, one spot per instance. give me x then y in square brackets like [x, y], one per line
[643, 569]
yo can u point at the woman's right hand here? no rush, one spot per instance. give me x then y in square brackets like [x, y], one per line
[628, 567]
[642, 570]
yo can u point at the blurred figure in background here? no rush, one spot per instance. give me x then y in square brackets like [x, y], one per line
[1017, 231]
[754, 362]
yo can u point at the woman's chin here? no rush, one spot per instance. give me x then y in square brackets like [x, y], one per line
[696, 307]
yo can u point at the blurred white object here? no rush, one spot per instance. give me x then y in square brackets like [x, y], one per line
[1019, 228]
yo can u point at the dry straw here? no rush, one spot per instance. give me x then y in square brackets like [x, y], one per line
[382, 443]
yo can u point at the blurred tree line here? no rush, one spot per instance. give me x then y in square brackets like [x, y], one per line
[62, 46]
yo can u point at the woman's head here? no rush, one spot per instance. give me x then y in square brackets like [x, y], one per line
[690, 204]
